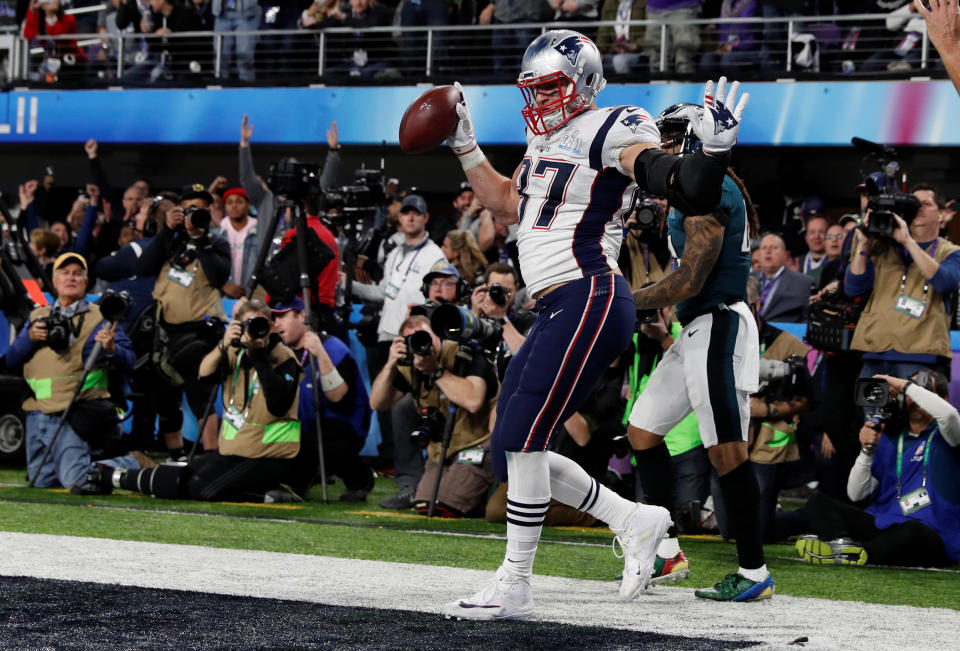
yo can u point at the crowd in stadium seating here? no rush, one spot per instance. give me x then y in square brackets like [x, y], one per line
[420, 271]
[893, 45]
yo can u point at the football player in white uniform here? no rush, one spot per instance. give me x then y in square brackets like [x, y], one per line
[569, 195]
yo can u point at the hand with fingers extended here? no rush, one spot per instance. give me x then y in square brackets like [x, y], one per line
[246, 131]
[716, 125]
[463, 142]
[333, 136]
[943, 23]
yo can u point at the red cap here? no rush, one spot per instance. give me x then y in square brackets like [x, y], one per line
[232, 191]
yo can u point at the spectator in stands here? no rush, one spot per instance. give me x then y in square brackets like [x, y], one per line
[439, 379]
[237, 16]
[622, 44]
[204, 9]
[576, 11]
[429, 13]
[910, 470]
[190, 266]
[44, 245]
[835, 262]
[135, 14]
[46, 17]
[736, 45]
[784, 293]
[906, 55]
[359, 53]
[465, 211]
[683, 38]
[171, 58]
[54, 367]
[509, 44]
[260, 435]
[240, 230]
[943, 28]
[814, 233]
[460, 248]
[904, 325]
[344, 406]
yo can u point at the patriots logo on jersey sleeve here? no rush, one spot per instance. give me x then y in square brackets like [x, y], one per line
[634, 120]
[570, 47]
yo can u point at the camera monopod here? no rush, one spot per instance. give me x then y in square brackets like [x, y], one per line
[112, 306]
[444, 446]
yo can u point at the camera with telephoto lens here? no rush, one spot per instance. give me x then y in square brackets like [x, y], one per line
[463, 326]
[199, 218]
[429, 427]
[58, 332]
[293, 179]
[426, 309]
[256, 327]
[114, 305]
[418, 343]
[784, 379]
[873, 394]
[648, 213]
[498, 294]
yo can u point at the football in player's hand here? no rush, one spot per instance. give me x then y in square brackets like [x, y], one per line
[429, 120]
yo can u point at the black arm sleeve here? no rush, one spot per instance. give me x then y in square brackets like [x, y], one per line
[280, 384]
[215, 260]
[481, 368]
[155, 255]
[692, 183]
[347, 368]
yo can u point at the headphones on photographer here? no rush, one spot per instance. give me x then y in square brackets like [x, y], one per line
[463, 288]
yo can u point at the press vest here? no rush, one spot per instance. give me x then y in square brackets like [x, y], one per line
[640, 274]
[263, 435]
[54, 377]
[190, 303]
[882, 328]
[469, 430]
[776, 442]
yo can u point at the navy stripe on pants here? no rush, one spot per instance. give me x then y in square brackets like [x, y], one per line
[580, 330]
[722, 384]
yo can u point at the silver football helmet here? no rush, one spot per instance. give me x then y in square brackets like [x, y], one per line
[567, 62]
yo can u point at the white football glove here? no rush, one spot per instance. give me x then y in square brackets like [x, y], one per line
[462, 141]
[716, 126]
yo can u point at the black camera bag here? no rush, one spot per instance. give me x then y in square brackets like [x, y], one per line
[832, 322]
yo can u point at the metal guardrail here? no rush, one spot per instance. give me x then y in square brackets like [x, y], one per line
[389, 54]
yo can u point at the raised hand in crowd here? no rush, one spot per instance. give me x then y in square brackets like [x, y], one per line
[333, 140]
[93, 191]
[943, 27]
[28, 191]
[246, 131]
[91, 147]
[219, 184]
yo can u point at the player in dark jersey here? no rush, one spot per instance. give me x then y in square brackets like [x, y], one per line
[711, 369]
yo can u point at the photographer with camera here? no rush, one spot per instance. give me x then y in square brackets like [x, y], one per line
[52, 348]
[260, 435]
[443, 377]
[494, 299]
[909, 465]
[345, 415]
[909, 271]
[645, 255]
[190, 267]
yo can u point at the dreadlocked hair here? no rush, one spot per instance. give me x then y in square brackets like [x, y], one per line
[752, 218]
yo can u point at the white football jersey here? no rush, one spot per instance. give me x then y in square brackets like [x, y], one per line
[574, 194]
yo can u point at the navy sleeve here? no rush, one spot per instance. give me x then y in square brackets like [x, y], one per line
[82, 244]
[215, 260]
[857, 285]
[947, 277]
[120, 265]
[155, 255]
[123, 357]
[30, 218]
[21, 350]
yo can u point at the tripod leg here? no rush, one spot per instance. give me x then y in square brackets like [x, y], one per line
[203, 423]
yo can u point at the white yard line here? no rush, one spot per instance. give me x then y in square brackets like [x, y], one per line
[377, 584]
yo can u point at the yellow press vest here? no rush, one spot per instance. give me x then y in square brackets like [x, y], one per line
[262, 435]
[882, 328]
[469, 430]
[186, 296]
[776, 442]
[54, 377]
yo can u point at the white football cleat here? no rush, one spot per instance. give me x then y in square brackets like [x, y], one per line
[642, 532]
[505, 597]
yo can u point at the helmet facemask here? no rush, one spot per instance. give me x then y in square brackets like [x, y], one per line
[553, 114]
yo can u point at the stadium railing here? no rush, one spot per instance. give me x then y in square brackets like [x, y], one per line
[798, 46]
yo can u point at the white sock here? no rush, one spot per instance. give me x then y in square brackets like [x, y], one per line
[757, 575]
[570, 484]
[668, 548]
[528, 496]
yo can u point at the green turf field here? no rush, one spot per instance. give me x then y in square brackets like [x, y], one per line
[368, 532]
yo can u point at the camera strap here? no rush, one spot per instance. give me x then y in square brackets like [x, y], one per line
[251, 382]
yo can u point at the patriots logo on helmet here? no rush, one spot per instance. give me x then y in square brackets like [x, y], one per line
[570, 47]
[634, 120]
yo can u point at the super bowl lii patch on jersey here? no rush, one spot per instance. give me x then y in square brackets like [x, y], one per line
[571, 142]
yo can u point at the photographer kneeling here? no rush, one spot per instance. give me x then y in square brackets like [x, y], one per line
[911, 467]
[441, 377]
[52, 348]
[260, 435]
[909, 272]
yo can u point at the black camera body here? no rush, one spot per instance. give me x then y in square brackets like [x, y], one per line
[59, 329]
[114, 305]
[498, 294]
[185, 255]
[429, 427]
[784, 379]
[883, 207]
[647, 316]
[648, 213]
[872, 393]
[256, 327]
[294, 179]
[418, 343]
[199, 218]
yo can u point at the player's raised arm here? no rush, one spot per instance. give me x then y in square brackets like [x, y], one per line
[494, 190]
[692, 183]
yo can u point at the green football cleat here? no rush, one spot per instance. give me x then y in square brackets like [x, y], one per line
[736, 587]
[841, 551]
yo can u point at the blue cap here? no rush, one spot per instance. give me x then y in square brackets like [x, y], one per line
[295, 304]
[442, 268]
[880, 181]
[414, 201]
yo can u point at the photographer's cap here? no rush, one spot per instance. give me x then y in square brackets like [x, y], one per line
[849, 217]
[442, 268]
[414, 201]
[233, 191]
[295, 304]
[69, 258]
[196, 191]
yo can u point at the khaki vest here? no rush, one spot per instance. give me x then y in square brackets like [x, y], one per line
[54, 377]
[263, 435]
[882, 328]
[469, 430]
[179, 304]
[777, 442]
[639, 274]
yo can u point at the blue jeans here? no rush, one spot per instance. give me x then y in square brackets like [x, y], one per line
[247, 20]
[68, 463]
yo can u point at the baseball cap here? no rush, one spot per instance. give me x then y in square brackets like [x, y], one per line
[239, 191]
[812, 206]
[881, 180]
[295, 304]
[464, 187]
[414, 201]
[442, 268]
[69, 258]
[849, 217]
[195, 191]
